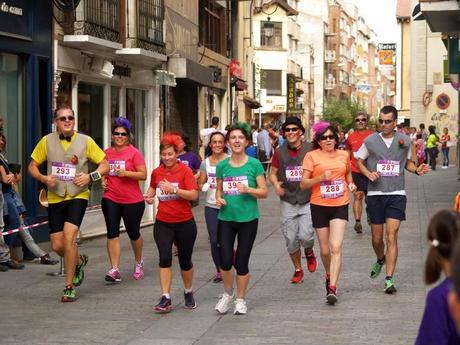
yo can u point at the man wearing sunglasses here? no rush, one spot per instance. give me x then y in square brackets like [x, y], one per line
[382, 158]
[355, 140]
[285, 176]
[67, 154]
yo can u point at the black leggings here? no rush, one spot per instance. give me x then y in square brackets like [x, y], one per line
[131, 214]
[182, 234]
[227, 233]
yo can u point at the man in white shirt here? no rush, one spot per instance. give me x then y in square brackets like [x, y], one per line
[205, 133]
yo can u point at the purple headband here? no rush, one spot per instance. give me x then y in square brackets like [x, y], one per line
[123, 122]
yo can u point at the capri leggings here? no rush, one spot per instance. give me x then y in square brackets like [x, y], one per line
[210, 214]
[131, 214]
[227, 233]
[182, 234]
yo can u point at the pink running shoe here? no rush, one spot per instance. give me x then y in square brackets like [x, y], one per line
[138, 270]
[113, 275]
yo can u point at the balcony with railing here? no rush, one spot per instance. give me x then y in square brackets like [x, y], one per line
[329, 56]
[329, 83]
[94, 25]
[145, 25]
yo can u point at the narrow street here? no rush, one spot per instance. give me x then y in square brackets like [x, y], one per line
[279, 312]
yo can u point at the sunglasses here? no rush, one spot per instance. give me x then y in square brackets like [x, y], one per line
[117, 134]
[325, 137]
[387, 122]
[290, 129]
[360, 120]
[66, 118]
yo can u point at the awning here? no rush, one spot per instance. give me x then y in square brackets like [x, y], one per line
[251, 102]
[239, 84]
[188, 69]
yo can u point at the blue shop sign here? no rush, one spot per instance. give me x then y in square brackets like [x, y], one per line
[16, 19]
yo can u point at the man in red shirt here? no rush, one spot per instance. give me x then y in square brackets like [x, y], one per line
[355, 140]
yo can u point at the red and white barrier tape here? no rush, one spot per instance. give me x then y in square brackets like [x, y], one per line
[9, 232]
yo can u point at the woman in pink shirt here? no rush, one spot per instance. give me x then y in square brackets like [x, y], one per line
[123, 198]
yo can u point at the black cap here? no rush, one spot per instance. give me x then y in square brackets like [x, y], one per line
[292, 120]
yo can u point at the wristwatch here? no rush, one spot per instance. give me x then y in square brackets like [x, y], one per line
[95, 176]
[175, 190]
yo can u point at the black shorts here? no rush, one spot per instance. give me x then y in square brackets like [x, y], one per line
[381, 207]
[70, 211]
[322, 215]
[360, 181]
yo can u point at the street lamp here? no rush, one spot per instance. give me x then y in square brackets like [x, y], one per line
[269, 28]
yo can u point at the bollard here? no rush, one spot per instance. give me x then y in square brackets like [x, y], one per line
[61, 272]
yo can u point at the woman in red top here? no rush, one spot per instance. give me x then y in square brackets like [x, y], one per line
[327, 171]
[175, 186]
[123, 198]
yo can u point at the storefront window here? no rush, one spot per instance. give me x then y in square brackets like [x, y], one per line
[135, 113]
[11, 105]
[90, 122]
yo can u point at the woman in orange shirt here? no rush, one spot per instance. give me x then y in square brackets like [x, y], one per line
[327, 171]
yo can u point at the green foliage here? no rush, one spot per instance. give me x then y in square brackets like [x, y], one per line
[341, 112]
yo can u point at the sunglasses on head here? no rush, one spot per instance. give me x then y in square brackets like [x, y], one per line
[66, 118]
[117, 134]
[291, 129]
[387, 122]
[360, 120]
[325, 137]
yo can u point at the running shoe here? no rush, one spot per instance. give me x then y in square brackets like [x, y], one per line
[358, 227]
[217, 277]
[240, 307]
[389, 286]
[79, 270]
[376, 268]
[138, 270]
[164, 305]
[189, 300]
[297, 277]
[312, 263]
[331, 297]
[224, 303]
[113, 275]
[69, 294]
[46, 259]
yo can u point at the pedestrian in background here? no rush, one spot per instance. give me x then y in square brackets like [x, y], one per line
[445, 139]
[123, 198]
[432, 143]
[437, 326]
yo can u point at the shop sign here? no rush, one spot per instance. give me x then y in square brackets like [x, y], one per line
[165, 78]
[15, 19]
[235, 69]
[291, 95]
[121, 70]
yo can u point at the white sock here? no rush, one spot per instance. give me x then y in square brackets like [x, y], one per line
[188, 290]
[167, 295]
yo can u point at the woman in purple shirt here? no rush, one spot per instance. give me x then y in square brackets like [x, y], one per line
[437, 326]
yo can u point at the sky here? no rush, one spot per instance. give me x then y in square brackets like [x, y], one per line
[379, 15]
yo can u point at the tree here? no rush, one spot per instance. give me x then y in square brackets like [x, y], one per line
[341, 112]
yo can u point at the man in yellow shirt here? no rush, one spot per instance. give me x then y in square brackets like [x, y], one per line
[67, 154]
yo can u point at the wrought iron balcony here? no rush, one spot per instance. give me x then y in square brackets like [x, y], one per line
[145, 29]
[98, 18]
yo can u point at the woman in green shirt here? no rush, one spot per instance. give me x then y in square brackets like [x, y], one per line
[240, 182]
[432, 146]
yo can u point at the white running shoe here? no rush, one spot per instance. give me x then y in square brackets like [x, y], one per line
[224, 303]
[240, 307]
